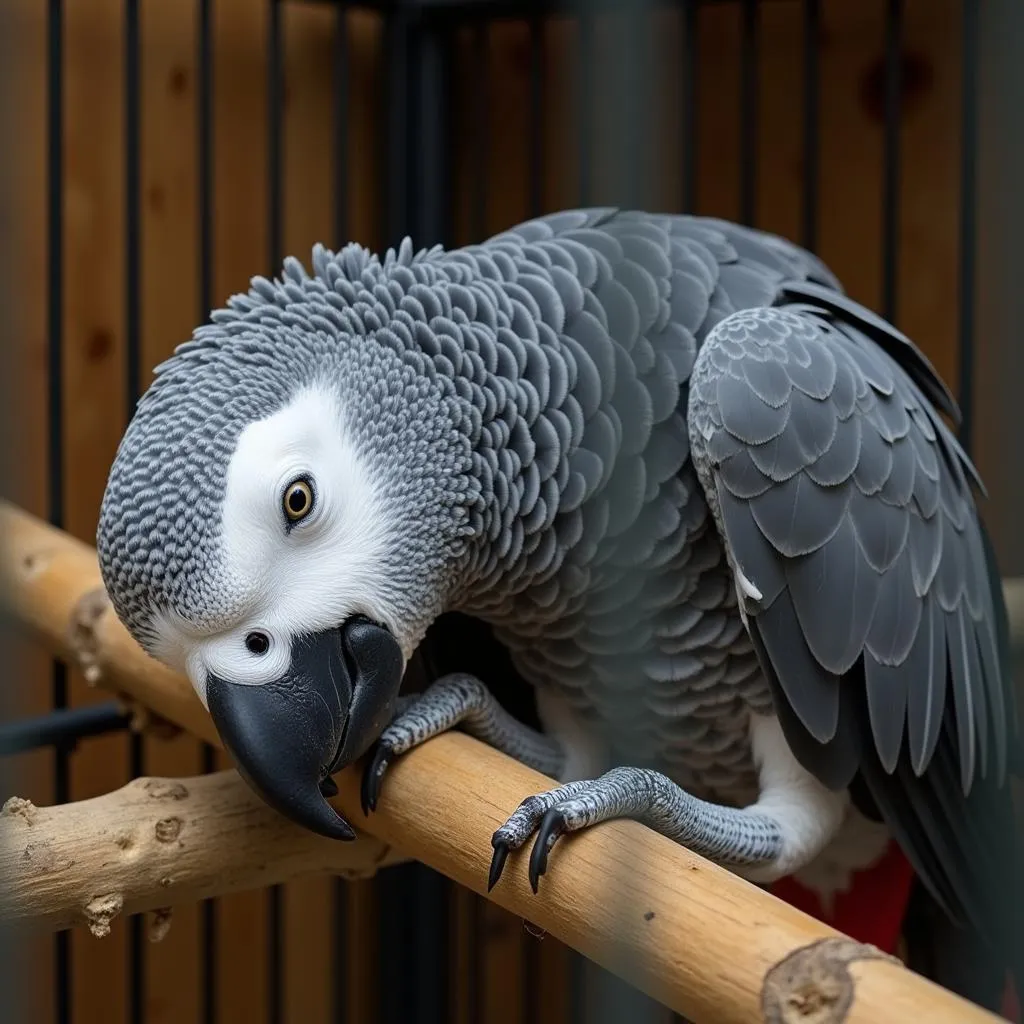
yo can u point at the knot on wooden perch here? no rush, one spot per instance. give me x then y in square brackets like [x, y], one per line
[19, 807]
[85, 615]
[813, 985]
[101, 910]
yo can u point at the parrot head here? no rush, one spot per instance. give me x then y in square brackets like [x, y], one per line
[284, 517]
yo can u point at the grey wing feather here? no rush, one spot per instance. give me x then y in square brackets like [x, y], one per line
[845, 500]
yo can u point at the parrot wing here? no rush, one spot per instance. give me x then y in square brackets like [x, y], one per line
[873, 604]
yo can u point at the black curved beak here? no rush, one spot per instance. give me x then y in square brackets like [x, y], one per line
[288, 736]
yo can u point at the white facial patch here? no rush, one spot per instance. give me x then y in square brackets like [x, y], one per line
[292, 578]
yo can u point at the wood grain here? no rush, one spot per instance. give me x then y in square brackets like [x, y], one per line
[156, 843]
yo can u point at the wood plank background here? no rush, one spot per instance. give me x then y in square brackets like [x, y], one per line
[497, 83]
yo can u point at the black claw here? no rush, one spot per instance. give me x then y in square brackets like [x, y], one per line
[497, 863]
[328, 787]
[369, 791]
[551, 827]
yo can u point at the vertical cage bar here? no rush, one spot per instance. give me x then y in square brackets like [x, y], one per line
[429, 211]
[479, 230]
[342, 69]
[414, 900]
[275, 895]
[341, 974]
[689, 126]
[585, 105]
[204, 148]
[749, 65]
[891, 172]
[55, 407]
[634, 149]
[585, 119]
[811, 126]
[340, 980]
[530, 1000]
[394, 140]
[481, 133]
[413, 948]
[133, 360]
[968, 219]
[274, 135]
[394, 887]
[536, 118]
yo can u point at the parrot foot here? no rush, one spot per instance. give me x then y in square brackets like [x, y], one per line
[729, 836]
[457, 700]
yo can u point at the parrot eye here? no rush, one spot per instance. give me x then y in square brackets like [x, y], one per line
[257, 643]
[298, 500]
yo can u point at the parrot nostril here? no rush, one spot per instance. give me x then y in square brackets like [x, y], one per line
[257, 643]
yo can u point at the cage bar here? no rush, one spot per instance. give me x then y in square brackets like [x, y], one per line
[891, 158]
[749, 85]
[811, 124]
[55, 408]
[62, 729]
[136, 974]
[204, 202]
[689, 125]
[968, 220]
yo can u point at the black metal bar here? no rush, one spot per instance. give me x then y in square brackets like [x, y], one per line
[481, 118]
[579, 978]
[341, 977]
[394, 213]
[811, 111]
[891, 172]
[536, 126]
[394, 888]
[585, 105]
[413, 900]
[204, 125]
[481, 132]
[690, 37]
[55, 317]
[429, 210]
[275, 86]
[275, 134]
[633, 149]
[62, 729]
[204, 170]
[55, 403]
[132, 213]
[968, 217]
[585, 117]
[133, 364]
[342, 70]
[749, 65]
[413, 916]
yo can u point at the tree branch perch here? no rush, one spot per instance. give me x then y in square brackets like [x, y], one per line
[699, 939]
[154, 844]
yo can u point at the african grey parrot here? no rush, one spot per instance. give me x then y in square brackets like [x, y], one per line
[704, 499]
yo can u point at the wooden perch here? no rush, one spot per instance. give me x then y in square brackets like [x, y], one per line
[699, 939]
[155, 844]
